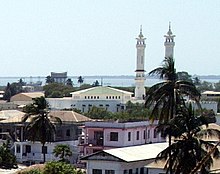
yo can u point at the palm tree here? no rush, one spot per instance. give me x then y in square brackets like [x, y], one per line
[63, 152]
[41, 126]
[189, 142]
[69, 82]
[165, 97]
[80, 80]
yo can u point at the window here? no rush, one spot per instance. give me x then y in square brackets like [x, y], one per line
[136, 172]
[112, 97]
[148, 134]
[18, 148]
[44, 149]
[125, 171]
[94, 97]
[155, 133]
[106, 97]
[130, 171]
[142, 170]
[91, 97]
[96, 171]
[88, 97]
[28, 149]
[85, 97]
[129, 136]
[109, 172]
[109, 97]
[113, 136]
[67, 132]
[97, 97]
[115, 97]
[144, 136]
[137, 135]
[118, 97]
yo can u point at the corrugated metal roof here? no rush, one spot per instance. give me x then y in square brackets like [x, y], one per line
[138, 153]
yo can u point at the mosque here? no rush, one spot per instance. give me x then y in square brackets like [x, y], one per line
[109, 98]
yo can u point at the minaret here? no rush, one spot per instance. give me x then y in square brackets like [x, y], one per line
[169, 43]
[140, 77]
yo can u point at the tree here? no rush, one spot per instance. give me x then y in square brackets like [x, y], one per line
[188, 143]
[165, 97]
[7, 95]
[41, 126]
[63, 152]
[183, 75]
[49, 79]
[196, 81]
[80, 80]
[96, 83]
[7, 159]
[69, 82]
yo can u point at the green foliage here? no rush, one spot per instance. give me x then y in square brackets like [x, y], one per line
[80, 80]
[49, 80]
[63, 152]
[183, 75]
[56, 90]
[32, 171]
[54, 167]
[205, 86]
[12, 89]
[98, 113]
[217, 86]
[7, 159]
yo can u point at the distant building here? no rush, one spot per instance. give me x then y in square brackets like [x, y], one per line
[99, 136]
[210, 95]
[25, 98]
[111, 99]
[59, 77]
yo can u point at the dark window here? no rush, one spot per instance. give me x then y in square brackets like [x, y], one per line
[130, 171]
[85, 97]
[142, 170]
[18, 149]
[144, 136]
[137, 135]
[129, 136]
[136, 171]
[125, 171]
[97, 97]
[44, 149]
[155, 133]
[96, 171]
[28, 149]
[113, 136]
[109, 172]
[106, 97]
[68, 132]
[91, 97]
[148, 134]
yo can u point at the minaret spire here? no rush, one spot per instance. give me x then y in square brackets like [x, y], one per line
[140, 76]
[169, 42]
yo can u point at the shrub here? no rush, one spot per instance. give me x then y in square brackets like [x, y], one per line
[59, 168]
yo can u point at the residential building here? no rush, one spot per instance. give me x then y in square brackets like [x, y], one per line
[210, 95]
[25, 98]
[59, 77]
[126, 160]
[12, 127]
[99, 136]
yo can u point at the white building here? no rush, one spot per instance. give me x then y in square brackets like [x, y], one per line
[126, 160]
[111, 99]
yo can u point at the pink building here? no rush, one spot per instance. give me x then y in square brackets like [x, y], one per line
[99, 136]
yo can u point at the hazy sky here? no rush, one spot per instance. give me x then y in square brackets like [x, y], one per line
[97, 37]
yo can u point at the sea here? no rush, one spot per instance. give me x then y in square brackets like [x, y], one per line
[123, 80]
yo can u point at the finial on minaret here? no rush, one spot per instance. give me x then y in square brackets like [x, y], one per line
[169, 32]
[141, 35]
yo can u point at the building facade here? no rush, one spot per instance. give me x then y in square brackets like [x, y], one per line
[99, 136]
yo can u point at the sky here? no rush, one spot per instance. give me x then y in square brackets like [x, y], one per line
[97, 37]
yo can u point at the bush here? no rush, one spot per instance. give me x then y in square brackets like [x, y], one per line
[54, 167]
[32, 171]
